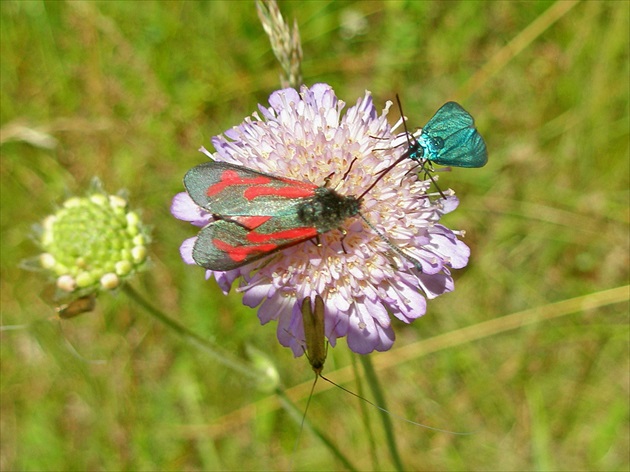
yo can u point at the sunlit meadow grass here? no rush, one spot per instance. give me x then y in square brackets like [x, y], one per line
[129, 91]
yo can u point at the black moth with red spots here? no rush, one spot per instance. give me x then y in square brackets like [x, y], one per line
[256, 214]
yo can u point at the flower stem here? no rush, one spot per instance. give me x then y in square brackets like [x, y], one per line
[379, 399]
[298, 416]
[194, 339]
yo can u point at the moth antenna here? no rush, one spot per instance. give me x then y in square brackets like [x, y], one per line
[316, 349]
[404, 121]
[424, 161]
[349, 169]
[346, 174]
[381, 175]
[391, 245]
[308, 403]
[406, 420]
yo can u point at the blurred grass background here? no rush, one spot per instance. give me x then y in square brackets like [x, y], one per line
[130, 90]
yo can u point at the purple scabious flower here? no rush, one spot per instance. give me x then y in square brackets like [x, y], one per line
[304, 136]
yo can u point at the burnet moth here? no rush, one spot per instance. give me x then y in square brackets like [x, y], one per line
[257, 214]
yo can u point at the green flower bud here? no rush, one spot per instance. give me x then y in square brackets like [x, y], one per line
[110, 281]
[92, 243]
[66, 283]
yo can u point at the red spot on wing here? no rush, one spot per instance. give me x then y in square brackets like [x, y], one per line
[240, 253]
[290, 191]
[259, 186]
[264, 243]
[230, 178]
[250, 222]
[294, 233]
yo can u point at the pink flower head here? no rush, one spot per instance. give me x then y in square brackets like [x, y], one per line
[304, 136]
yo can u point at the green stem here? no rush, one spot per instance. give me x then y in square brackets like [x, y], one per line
[298, 416]
[379, 399]
[194, 339]
[366, 417]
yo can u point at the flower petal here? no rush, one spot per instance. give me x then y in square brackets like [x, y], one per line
[185, 250]
[183, 208]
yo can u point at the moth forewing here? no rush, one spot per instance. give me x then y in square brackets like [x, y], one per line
[231, 190]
